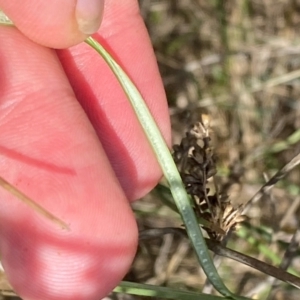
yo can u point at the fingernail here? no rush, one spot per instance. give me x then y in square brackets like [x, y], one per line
[89, 15]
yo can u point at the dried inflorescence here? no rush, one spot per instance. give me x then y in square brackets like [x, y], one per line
[196, 163]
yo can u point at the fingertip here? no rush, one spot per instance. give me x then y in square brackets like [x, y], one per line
[42, 263]
[55, 24]
[89, 15]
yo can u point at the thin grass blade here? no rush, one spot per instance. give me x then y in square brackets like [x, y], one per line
[32, 204]
[148, 290]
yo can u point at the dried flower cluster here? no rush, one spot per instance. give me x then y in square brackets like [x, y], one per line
[196, 163]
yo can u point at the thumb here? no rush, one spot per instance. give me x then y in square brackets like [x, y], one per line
[55, 24]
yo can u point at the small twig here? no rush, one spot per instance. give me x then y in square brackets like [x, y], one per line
[290, 211]
[270, 184]
[289, 255]
[218, 249]
[291, 250]
[254, 263]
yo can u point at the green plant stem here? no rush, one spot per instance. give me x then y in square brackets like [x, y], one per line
[169, 169]
[4, 20]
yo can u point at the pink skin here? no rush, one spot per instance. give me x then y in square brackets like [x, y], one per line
[81, 164]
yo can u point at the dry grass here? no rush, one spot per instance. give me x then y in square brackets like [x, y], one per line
[239, 62]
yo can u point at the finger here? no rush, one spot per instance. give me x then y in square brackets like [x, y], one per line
[55, 24]
[124, 34]
[49, 151]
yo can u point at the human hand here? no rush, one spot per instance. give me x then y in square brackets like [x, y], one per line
[82, 169]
